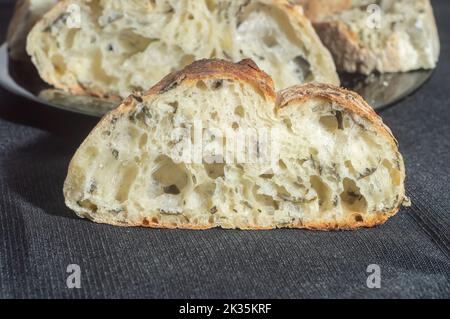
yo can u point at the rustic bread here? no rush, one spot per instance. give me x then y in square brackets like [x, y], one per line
[123, 46]
[26, 14]
[405, 37]
[329, 163]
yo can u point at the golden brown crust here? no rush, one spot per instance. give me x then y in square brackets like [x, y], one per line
[350, 224]
[246, 71]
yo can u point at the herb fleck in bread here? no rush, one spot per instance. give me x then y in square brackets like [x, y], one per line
[338, 167]
[407, 37]
[26, 14]
[124, 46]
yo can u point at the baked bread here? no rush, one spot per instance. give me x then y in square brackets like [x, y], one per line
[401, 37]
[124, 46]
[175, 156]
[26, 14]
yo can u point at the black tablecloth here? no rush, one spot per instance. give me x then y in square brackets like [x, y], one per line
[40, 237]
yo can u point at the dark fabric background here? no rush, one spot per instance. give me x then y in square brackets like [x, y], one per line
[40, 237]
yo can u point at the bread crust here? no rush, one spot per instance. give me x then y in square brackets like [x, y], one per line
[352, 55]
[247, 72]
[244, 71]
[295, 13]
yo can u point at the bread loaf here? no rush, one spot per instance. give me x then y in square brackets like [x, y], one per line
[123, 46]
[313, 156]
[385, 36]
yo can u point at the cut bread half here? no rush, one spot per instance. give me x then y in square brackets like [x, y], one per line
[26, 14]
[385, 36]
[123, 46]
[214, 146]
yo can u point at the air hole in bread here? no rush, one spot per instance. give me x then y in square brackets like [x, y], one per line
[282, 165]
[211, 5]
[351, 168]
[170, 175]
[351, 197]
[323, 192]
[131, 43]
[215, 171]
[395, 173]
[329, 122]
[143, 141]
[201, 85]
[59, 64]
[97, 70]
[70, 38]
[127, 179]
[270, 40]
[303, 68]
[87, 204]
[239, 111]
[288, 124]
[265, 203]
[174, 105]
[172, 189]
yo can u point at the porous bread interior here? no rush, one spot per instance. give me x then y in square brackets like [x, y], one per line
[407, 19]
[124, 46]
[334, 167]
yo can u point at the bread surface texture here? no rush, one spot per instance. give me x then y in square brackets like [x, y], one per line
[319, 158]
[125, 46]
[385, 36]
[26, 14]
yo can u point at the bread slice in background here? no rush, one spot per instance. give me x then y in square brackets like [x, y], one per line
[405, 37]
[337, 164]
[124, 46]
[26, 14]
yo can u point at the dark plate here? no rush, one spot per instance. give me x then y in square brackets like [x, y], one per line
[21, 78]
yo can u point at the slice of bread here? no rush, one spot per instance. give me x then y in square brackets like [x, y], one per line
[26, 14]
[214, 146]
[394, 36]
[125, 46]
